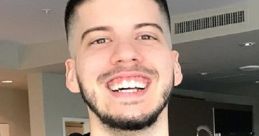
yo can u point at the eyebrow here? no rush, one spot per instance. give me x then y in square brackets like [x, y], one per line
[149, 24]
[107, 28]
[99, 28]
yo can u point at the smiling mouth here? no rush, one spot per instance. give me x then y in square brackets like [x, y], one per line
[131, 84]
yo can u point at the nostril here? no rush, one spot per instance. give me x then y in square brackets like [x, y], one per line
[119, 61]
[134, 59]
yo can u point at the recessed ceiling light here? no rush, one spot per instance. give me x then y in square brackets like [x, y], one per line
[248, 44]
[249, 68]
[46, 10]
[7, 81]
[257, 82]
[204, 73]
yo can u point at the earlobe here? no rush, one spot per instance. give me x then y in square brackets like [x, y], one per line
[71, 79]
[178, 77]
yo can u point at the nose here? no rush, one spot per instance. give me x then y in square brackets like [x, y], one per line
[126, 53]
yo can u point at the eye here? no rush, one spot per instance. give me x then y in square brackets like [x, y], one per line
[146, 37]
[101, 41]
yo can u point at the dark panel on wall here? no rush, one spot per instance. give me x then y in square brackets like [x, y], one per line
[186, 114]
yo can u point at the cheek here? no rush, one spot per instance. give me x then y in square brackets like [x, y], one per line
[162, 60]
[90, 65]
[163, 63]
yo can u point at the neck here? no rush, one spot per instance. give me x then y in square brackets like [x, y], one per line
[159, 128]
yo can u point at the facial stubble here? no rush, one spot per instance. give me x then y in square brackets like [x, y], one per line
[123, 123]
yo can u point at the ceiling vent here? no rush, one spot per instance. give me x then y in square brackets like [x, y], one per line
[210, 22]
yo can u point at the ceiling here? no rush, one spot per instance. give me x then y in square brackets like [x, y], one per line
[221, 58]
[26, 22]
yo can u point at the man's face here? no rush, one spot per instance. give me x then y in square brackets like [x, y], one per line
[123, 63]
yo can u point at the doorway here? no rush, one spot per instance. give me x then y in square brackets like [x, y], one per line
[75, 125]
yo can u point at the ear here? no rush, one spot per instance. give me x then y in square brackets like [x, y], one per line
[71, 79]
[178, 76]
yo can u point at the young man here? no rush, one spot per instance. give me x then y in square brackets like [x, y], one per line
[122, 64]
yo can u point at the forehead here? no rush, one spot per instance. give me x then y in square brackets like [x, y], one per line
[116, 12]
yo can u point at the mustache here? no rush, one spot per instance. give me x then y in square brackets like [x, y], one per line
[136, 68]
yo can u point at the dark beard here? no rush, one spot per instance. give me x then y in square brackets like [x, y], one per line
[121, 123]
[132, 124]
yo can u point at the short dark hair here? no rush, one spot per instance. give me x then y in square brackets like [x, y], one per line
[73, 4]
[75, 134]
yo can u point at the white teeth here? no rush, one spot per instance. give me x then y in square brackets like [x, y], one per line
[131, 84]
[124, 84]
[141, 85]
[128, 91]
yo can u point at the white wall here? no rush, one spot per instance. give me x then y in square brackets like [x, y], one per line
[9, 55]
[40, 55]
[14, 110]
[59, 103]
[35, 91]
[50, 101]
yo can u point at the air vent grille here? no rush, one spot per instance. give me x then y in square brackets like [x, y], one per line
[210, 22]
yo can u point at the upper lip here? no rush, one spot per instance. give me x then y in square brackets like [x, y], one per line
[128, 74]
